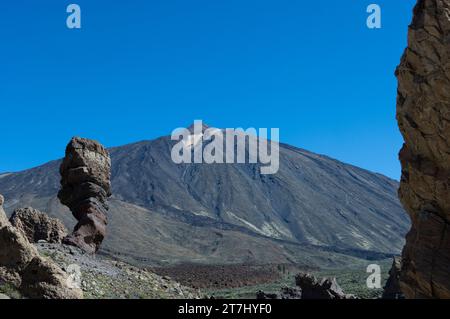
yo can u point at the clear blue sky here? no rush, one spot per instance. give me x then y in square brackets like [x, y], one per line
[138, 69]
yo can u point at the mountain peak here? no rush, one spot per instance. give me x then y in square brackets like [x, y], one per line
[198, 123]
[255, 215]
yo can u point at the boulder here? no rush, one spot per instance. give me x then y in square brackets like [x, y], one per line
[85, 188]
[22, 266]
[43, 279]
[261, 295]
[423, 114]
[308, 287]
[285, 293]
[326, 288]
[37, 226]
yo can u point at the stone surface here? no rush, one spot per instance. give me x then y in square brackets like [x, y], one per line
[85, 181]
[326, 288]
[37, 226]
[105, 278]
[392, 288]
[43, 279]
[308, 287]
[22, 266]
[285, 293]
[261, 295]
[423, 113]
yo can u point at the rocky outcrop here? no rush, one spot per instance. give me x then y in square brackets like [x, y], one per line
[22, 266]
[37, 226]
[308, 287]
[423, 113]
[326, 288]
[392, 288]
[285, 293]
[85, 180]
[104, 278]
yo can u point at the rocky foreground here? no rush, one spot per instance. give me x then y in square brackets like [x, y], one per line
[32, 267]
[104, 278]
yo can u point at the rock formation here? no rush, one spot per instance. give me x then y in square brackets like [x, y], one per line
[285, 293]
[326, 288]
[308, 287]
[423, 114]
[37, 226]
[22, 266]
[86, 186]
[392, 288]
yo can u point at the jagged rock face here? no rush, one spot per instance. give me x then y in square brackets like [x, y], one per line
[326, 288]
[423, 113]
[85, 180]
[392, 288]
[37, 226]
[22, 266]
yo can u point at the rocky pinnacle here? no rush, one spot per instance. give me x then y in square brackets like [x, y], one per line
[85, 181]
[423, 113]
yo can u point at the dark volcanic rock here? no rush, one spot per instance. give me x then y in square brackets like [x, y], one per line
[86, 186]
[423, 113]
[261, 295]
[326, 288]
[392, 288]
[36, 225]
[290, 293]
[308, 287]
[285, 293]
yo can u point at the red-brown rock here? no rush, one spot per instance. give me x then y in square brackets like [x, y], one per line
[37, 226]
[86, 186]
[423, 113]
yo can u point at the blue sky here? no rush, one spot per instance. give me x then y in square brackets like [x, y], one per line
[138, 69]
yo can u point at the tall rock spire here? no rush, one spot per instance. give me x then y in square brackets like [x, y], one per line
[86, 186]
[423, 113]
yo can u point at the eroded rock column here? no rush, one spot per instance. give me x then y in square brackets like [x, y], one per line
[85, 180]
[423, 113]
